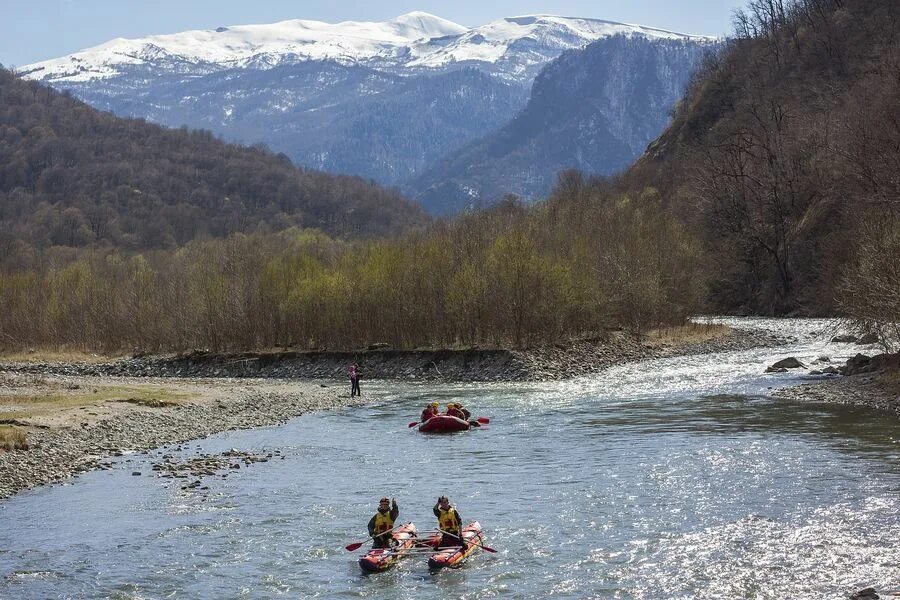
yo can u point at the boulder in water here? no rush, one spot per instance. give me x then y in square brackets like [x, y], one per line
[844, 339]
[786, 363]
[857, 364]
[866, 594]
[869, 338]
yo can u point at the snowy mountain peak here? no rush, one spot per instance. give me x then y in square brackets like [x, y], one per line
[428, 25]
[513, 47]
[527, 41]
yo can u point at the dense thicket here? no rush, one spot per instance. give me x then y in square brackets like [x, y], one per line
[785, 157]
[73, 176]
[584, 261]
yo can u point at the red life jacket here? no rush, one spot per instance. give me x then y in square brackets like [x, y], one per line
[455, 412]
[428, 413]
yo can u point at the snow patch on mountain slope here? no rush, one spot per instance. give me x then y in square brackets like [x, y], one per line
[256, 45]
[415, 39]
[491, 42]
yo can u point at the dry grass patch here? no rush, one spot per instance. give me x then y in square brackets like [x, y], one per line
[55, 356]
[30, 405]
[691, 333]
[12, 438]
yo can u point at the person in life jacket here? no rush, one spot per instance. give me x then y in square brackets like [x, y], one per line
[466, 414]
[450, 522]
[430, 411]
[382, 523]
[454, 411]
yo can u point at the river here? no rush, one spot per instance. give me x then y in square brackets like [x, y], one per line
[674, 478]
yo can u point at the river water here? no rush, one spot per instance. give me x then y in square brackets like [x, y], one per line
[675, 478]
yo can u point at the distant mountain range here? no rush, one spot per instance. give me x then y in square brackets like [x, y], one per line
[392, 101]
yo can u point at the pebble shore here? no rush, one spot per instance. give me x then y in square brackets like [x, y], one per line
[558, 361]
[57, 454]
[873, 391]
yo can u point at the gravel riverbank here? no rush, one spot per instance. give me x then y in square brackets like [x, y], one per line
[80, 441]
[558, 361]
[880, 391]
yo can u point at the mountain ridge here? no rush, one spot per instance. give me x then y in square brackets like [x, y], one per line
[593, 110]
[415, 39]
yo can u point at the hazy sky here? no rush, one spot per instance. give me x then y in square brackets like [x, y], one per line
[33, 30]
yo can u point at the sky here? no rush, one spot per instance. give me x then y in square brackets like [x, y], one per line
[34, 30]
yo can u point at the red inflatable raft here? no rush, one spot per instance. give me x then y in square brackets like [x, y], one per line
[452, 556]
[382, 559]
[443, 424]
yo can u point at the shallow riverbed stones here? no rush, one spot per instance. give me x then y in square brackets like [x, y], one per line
[208, 465]
[58, 454]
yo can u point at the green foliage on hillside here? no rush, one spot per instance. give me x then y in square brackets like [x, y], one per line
[584, 261]
[784, 157]
[73, 176]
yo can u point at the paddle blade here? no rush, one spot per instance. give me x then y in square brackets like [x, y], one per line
[413, 424]
[354, 546]
[488, 548]
[483, 420]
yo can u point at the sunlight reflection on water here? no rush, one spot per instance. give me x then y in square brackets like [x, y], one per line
[674, 478]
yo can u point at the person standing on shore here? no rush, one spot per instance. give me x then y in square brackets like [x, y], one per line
[353, 372]
[450, 522]
[381, 525]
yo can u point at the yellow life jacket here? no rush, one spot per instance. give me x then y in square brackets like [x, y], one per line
[449, 520]
[383, 522]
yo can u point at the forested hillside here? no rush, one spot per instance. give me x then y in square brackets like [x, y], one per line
[73, 176]
[785, 158]
[326, 115]
[593, 109]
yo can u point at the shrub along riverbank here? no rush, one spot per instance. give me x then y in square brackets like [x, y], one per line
[585, 262]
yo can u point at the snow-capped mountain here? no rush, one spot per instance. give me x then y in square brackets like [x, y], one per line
[520, 46]
[513, 45]
[256, 46]
[381, 100]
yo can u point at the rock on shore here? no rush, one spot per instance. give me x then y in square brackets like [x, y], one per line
[859, 391]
